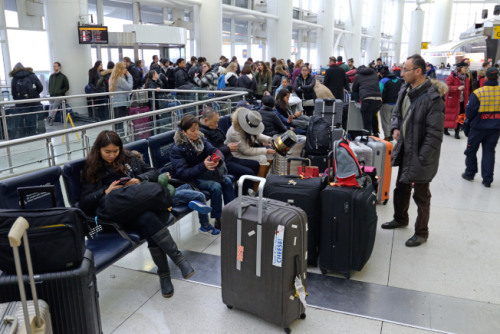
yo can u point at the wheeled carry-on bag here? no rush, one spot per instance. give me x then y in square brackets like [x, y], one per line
[364, 154]
[348, 227]
[304, 193]
[26, 316]
[382, 151]
[263, 257]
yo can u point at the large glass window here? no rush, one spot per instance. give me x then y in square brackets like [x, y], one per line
[23, 44]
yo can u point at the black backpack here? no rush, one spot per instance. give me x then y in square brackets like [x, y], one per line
[319, 136]
[26, 88]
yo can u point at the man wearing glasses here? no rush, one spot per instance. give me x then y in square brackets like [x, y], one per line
[417, 126]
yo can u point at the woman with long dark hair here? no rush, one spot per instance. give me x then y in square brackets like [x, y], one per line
[106, 164]
[304, 87]
[264, 79]
[94, 76]
[294, 121]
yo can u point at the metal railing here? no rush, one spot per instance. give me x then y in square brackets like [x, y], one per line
[21, 155]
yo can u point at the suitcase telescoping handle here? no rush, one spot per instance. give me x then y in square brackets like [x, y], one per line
[259, 220]
[289, 162]
[18, 231]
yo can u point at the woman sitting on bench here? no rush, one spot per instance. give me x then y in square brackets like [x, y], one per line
[110, 167]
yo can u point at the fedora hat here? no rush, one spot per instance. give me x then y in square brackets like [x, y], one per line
[250, 121]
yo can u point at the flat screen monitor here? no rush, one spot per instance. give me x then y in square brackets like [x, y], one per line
[92, 35]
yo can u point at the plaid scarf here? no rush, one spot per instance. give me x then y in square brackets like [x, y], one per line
[197, 144]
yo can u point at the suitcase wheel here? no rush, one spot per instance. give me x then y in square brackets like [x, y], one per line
[303, 316]
[229, 307]
[323, 271]
[385, 202]
[288, 330]
[347, 275]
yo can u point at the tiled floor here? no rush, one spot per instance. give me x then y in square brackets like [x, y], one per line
[455, 272]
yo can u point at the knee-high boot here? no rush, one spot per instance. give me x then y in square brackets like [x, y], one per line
[164, 240]
[161, 261]
[263, 170]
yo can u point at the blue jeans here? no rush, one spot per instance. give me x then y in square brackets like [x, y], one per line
[217, 192]
[185, 194]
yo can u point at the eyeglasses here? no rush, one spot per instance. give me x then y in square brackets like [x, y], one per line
[408, 70]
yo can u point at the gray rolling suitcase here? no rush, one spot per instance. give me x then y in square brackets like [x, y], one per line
[354, 120]
[364, 154]
[15, 315]
[263, 257]
[331, 110]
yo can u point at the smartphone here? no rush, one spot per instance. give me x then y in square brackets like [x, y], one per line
[215, 157]
[124, 180]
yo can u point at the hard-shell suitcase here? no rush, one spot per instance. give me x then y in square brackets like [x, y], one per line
[24, 317]
[382, 151]
[331, 110]
[363, 153]
[348, 228]
[72, 295]
[141, 126]
[354, 120]
[304, 193]
[263, 257]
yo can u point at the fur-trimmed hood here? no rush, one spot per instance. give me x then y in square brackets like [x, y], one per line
[106, 72]
[441, 87]
[20, 71]
[180, 140]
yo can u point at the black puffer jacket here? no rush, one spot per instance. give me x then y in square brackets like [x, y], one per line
[248, 82]
[216, 137]
[19, 74]
[336, 81]
[365, 84]
[305, 87]
[271, 121]
[181, 77]
[136, 76]
[417, 154]
[92, 193]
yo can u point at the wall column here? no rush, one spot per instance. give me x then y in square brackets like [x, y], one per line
[374, 29]
[61, 17]
[326, 18]
[279, 32]
[353, 24]
[416, 31]
[398, 30]
[210, 30]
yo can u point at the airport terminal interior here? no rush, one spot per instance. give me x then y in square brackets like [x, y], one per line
[449, 284]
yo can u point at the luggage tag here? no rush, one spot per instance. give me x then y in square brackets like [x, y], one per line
[94, 231]
[300, 291]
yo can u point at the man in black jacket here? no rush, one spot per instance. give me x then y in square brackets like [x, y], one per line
[132, 69]
[271, 121]
[237, 167]
[366, 90]
[390, 85]
[417, 125]
[336, 80]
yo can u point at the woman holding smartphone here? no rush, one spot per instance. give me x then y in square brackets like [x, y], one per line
[110, 167]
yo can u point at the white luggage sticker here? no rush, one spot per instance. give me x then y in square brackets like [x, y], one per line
[278, 246]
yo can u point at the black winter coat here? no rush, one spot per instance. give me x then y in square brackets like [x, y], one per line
[20, 74]
[417, 155]
[365, 85]
[92, 193]
[271, 121]
[336, 81]
[216, 137]
[136, 76]
[181, 77]
[244, 81]
[305, 87]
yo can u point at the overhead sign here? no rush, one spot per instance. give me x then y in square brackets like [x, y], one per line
[496, 32]
[425, 45]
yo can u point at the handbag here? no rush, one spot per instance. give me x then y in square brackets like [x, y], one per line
[218, 174]
[130, 201]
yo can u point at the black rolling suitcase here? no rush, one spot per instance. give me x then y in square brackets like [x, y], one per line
[304, 193]
[263, 261]
[348, 226]
[72, 296]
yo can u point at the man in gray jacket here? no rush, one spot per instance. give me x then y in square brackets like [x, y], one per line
[417, 125]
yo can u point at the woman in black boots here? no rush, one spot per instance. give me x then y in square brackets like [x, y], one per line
[110, 172]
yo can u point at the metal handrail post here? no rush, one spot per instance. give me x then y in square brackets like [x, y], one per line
[111, 111]
[65, 122]
[6, 136]
[50, 152]
[153, 99]
[84, 143]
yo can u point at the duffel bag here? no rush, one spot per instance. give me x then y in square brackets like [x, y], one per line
[56, 239]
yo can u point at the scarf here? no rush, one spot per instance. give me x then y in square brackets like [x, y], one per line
[197, 144]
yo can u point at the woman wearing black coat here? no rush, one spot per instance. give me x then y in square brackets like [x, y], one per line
[106, 164]
[304, 87]
[246, 79]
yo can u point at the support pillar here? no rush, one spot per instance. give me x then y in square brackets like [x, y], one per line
[136, 19]
[4, 41]
[374, 29]
[279, 32]
[61, 17]
[398, 30]
[353, 24]
[210, 28]
[326, 18]
[416, 31]
[100, 20]
[441, 30]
